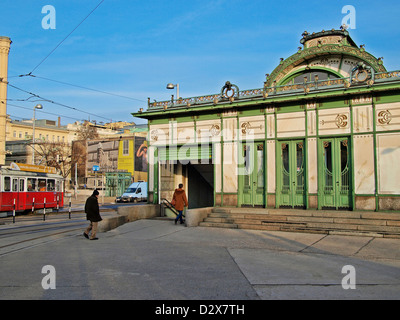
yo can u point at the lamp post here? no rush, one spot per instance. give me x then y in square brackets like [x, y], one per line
[38, 106]
[172, 86]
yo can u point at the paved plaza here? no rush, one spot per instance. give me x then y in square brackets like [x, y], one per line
[157, 260]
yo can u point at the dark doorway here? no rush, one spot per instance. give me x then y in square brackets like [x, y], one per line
[200, 185]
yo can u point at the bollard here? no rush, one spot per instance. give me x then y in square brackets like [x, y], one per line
[14, 212]
[58, 206]
[69, 209]
[33, 205]
[44, 210]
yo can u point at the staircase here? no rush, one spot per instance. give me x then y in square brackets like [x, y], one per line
[357, 223]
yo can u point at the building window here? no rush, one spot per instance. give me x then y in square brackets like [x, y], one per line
[125, 147]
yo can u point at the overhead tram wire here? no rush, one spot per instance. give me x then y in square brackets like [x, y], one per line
[53, 102]
[82, 87]
[41, 111]
[65, 38]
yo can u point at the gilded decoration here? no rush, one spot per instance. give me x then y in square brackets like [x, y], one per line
[323, 41]
[154, 134]
[287, 65]
[384, 117]
[246, 126]
[341, 121]
[215, 130]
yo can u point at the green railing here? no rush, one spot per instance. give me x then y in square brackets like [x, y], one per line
[274, 91]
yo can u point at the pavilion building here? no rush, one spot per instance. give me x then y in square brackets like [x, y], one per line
[323, 131]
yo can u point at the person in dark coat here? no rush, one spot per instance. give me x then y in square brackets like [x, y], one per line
[93, 215]
[179, 201]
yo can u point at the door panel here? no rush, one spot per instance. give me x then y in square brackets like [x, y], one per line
[291, 170]
[253, 174]
[335, 177]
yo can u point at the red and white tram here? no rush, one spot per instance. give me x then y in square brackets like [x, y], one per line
[27, 190]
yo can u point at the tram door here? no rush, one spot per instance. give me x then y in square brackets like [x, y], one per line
[291, 174]
[335, 178]
[17, 188]
[253, 174]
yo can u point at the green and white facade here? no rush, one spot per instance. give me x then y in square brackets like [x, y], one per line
[323, 131]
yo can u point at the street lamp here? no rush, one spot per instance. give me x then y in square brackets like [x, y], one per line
[172, 86]
[38, 106]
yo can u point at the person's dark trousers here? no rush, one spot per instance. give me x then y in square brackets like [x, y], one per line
[179, 217]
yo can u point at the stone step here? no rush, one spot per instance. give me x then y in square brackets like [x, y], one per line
[218, 225]
[375, 224]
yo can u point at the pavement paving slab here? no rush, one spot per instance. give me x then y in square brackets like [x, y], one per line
[158, 260]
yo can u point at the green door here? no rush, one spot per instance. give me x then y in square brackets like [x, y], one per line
[334, 159]
[252, 174]
[291, 174]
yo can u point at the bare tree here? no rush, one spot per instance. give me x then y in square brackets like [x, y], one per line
[86, 132]
[56, 155]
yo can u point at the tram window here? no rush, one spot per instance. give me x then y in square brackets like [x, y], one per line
[42, 184]
[51, 184]
[15, 184]
[21, 184]
[57, 185]
[32, 184]
[7, 184]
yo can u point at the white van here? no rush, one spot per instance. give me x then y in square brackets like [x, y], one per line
[137, 191]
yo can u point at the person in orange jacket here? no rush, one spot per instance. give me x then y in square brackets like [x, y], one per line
[179, 201]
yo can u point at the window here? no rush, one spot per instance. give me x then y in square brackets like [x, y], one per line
[21, 184]
[32, 184]
[15, 184]
[7, 184]
[51, 185]
[15, 134]
[125, 147]
[42, 184]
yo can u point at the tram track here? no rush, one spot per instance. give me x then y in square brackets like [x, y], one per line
[31, 233]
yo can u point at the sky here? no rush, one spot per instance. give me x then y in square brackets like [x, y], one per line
[102, 65]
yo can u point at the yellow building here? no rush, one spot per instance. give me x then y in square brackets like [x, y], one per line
[45, 130]
[132, 154]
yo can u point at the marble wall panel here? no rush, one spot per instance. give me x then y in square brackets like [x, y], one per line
[271, 166]
[364, 164]
[208, 130]
[159, 134]
[230, 178]
[312, 165]
[334, 121]
[291, 124]
[362, 119]
[252, 127]
[388, 154]
[184, 132]
[387, 116]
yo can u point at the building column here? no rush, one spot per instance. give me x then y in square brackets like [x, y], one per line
[5, 43]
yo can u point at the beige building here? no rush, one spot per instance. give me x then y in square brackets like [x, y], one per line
[5, 43]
